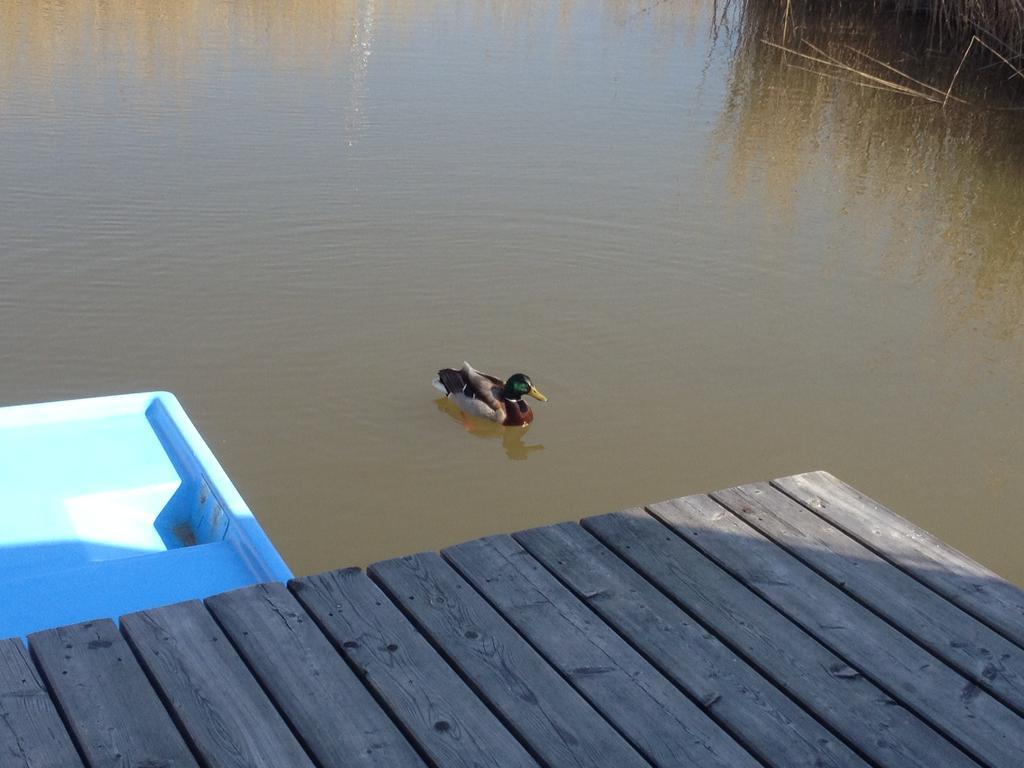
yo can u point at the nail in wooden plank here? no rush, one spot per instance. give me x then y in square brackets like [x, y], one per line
[213, 696]
[333, 714]
[31, 732]
[436, 708]
[664, 725]
[536, 702]
[973, 649]
[769, 724]
[838, 694]
[957, 707]
[965, 582]
[115, 715]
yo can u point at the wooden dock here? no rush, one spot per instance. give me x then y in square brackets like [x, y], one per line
[790, 624]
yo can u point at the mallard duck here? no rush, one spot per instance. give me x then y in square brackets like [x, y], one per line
[488, 397]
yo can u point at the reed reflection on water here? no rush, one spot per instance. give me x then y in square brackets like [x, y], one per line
[721, 268]
[948, 180]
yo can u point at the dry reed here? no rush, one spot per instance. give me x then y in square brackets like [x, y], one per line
[982, 32]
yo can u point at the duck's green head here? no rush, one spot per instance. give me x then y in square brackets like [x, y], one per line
[519, 384]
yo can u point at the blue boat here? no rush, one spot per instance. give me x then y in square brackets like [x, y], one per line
[116, 504]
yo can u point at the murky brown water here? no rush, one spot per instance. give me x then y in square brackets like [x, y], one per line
[719, 267]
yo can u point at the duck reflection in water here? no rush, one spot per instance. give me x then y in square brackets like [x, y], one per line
[511, 437]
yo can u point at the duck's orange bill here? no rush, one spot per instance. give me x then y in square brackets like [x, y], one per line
[534, 392]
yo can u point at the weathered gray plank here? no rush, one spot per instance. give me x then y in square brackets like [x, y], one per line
[868, 718]
[31, 732]
[538, 704]
[965, 582]
[957, 707]
[975, 650]
[755, 712]
[211, 693]
[667, 728]
[332, 713]
[115, 715]
[437, 709]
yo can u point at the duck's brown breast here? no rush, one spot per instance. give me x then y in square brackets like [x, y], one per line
[517, 413]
